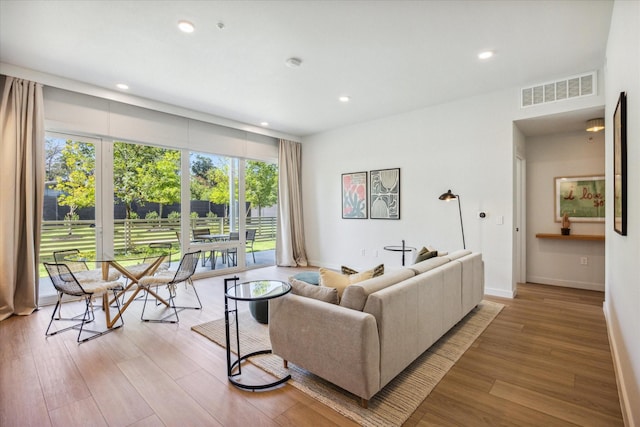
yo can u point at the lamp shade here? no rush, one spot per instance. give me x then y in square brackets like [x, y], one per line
[448, 196]
[595, 125]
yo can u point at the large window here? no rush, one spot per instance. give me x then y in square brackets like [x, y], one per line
[140, 187]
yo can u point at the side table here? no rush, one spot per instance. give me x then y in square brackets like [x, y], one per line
[401, 248]
[255, 290]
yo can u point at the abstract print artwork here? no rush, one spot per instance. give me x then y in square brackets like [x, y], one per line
[385, 193]
[354, 195]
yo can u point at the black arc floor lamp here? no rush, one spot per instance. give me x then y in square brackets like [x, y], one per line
[450, 196]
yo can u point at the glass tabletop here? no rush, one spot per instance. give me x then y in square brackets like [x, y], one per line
[257, 290]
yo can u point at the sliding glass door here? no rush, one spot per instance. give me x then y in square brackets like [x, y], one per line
[115, 198]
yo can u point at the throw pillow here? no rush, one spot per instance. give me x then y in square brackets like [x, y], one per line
[333, 279]
[425, 254]
[322, 293]
[377, 271]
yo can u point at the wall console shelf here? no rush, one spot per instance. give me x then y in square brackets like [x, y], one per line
[592, 237]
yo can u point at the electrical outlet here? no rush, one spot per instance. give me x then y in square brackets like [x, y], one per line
[362, 252]
[584, 260]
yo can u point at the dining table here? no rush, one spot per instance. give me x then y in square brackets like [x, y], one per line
[212, 242]
[147, 267]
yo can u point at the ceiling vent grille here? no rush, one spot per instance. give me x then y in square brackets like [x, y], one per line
[560, 90]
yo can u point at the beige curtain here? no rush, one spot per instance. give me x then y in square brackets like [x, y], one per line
[290, 244]
[21, 194]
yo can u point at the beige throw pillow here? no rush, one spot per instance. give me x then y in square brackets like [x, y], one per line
[333, 279]
[298, 287]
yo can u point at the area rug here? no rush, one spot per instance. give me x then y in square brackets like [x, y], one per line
[392, 405]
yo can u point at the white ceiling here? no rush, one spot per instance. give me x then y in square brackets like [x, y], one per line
[388, 56]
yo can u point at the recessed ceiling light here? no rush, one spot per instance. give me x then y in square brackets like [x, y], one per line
[122, 86]
[344, 98]
[186, 26]
[264, 124]
[485, 55]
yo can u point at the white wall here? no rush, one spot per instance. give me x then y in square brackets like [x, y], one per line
[465, 146]
[622, 281]
[557, 262]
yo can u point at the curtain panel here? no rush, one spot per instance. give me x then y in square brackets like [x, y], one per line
[290, 244]
[21, 193]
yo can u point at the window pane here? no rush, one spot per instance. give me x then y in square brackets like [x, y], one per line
[68, 220]
[261, 193]
[146, 186]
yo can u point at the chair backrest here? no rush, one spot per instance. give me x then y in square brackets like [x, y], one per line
[187, 266]
[164, 247]
[251, 235]
[63, 279]
[199, 232]
[70, 257]
[234, 235]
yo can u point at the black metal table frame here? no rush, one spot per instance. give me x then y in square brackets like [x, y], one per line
[402, 249]
[231, 366]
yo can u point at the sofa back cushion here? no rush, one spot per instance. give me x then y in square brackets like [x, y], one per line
[458, 254]
[428, 264]
[355, 295]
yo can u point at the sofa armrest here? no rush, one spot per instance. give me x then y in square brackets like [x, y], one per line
[336, 343]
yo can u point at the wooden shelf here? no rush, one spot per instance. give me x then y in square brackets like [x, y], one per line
[592, 237]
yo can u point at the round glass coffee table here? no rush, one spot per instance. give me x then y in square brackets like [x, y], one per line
[254, 290]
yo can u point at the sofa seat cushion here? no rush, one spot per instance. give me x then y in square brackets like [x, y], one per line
[333, 279]
[429, 264]
[355, 296]
[321, 293]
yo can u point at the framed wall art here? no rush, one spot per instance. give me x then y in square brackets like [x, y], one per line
[384, 186]
[354, 195]
[581, 197]
[620, 166]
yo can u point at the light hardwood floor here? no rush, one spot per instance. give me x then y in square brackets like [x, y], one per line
[545, 360]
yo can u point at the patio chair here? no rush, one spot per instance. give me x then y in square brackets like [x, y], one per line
[66, 283]
[251, 238]
[196, 233]
[170, 279]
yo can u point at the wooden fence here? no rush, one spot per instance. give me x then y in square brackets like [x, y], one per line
[61, 235]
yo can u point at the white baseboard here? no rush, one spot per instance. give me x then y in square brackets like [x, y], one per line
[590, 286]
[625, 405]
[500, 293]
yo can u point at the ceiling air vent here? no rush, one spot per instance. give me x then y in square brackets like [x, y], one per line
[560, 90]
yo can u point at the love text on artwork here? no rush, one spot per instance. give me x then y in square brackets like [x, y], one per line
[598, 198]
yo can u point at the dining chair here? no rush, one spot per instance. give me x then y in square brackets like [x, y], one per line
[66, 283]
[251, 238]
[171, 279]
[71, 257]
[196, 233]
[232, 253]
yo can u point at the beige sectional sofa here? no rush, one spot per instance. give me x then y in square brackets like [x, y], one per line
[380, 325]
